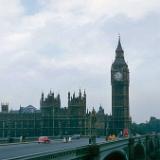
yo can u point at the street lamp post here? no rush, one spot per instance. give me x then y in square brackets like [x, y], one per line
[85, 126]
[15, 129]
[94, 129]
[90, 131]
[3, 129]
[53, 121]
[92, 139]
[90, 126]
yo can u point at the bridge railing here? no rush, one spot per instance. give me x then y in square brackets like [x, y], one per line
[79, 152]
[110, 145]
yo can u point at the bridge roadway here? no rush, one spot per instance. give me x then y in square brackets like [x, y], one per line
[8, 152]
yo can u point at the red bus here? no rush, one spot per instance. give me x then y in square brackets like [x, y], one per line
[125, 132]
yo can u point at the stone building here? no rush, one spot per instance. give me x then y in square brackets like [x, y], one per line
[77, 113]
[50, 120]
[18, 123]
[101, 122]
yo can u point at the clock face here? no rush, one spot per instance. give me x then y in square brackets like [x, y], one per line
[118, 76]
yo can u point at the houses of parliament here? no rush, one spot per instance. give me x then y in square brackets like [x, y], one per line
[54, 120]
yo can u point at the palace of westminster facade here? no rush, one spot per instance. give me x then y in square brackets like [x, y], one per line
[53, 120]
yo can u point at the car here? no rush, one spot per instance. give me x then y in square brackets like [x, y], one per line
[76, 136]
[43, 139]
[125, 132]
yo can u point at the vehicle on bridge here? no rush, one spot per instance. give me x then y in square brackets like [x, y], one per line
[43, 139]
[125, 132]
[76, 136]
[111, 137]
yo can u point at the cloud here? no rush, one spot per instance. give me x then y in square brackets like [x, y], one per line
[95, 9]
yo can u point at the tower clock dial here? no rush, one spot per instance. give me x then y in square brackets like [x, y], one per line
[118, 76]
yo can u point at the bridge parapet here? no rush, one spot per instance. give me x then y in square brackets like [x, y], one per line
[133, 148]
[69, 154]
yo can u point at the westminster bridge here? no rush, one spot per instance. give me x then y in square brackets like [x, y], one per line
[133, 148]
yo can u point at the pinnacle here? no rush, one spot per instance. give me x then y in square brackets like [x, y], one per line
[119, 47]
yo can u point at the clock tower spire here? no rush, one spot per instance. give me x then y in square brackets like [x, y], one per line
[120, 92]
[119, 50]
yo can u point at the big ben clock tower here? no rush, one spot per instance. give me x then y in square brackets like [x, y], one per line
[120, 92]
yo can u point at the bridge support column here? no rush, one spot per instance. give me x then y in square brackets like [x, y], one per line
[93, 152]
[131, 148]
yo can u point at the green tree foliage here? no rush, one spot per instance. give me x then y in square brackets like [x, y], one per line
[151, 126]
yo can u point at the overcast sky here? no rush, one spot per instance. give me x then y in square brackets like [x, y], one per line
[67, 45]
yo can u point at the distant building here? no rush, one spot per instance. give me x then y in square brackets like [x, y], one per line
[28, 109]
[4, 107]
[101, 122]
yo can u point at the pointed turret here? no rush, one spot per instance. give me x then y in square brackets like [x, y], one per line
[69, 98]
[58, 96]
[80, 94]
[42, 99]
[119, 50]
[53, 95]
[87, 111]
[74, 95]
[84, 94]
[69, 95]
[119, 58]
[93, 111]
[42, 96]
